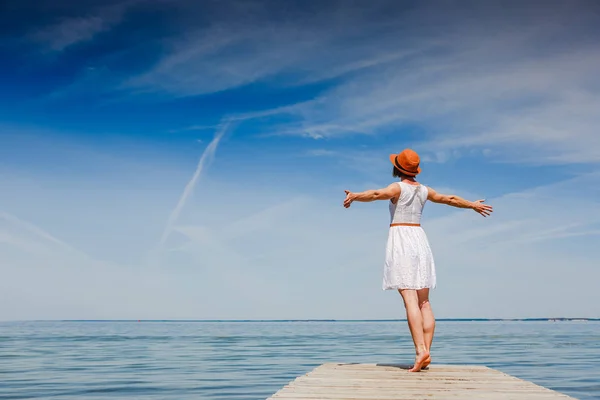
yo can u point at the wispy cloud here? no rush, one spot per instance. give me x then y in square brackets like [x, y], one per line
[542, 105]
[33, 231]
[533, 215]
[255, 256]
[250, 42]
[518, 79]
[205, 159]
[78, 29]
[511, 81]
[320, 153]
[193, 128]
[37, 242]
[71, 31]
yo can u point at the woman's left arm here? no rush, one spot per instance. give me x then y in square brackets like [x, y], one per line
[387, 193]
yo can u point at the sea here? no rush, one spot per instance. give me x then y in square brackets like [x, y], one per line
[253, 359]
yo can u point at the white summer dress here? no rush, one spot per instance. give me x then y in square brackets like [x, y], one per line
[408, 258]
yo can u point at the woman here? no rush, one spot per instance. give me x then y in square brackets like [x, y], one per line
[409, 266]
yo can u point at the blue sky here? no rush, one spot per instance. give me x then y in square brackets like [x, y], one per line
[187, 159]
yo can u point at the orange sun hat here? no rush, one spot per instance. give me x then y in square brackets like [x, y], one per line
[407, 161]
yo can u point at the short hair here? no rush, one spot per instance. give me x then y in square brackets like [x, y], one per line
[399, 174]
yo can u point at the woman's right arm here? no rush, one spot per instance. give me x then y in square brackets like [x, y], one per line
[390, 192]
[459, 202]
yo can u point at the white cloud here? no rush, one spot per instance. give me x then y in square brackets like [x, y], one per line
[71, 31]
[79, 29]
[320, 153]
[537, 243]
[245, 43]
[487, 83]
[268, 252]
[204, 160]
[517, 83]
[541, 106]
[12, 224]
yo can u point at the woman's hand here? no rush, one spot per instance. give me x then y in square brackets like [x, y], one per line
[350, 197]
[481, 208]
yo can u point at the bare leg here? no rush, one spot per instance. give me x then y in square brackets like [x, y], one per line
[428, 321]
[415, 324]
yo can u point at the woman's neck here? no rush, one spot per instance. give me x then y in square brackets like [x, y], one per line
[410, 181]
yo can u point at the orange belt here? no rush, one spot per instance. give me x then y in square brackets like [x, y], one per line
[404, 224]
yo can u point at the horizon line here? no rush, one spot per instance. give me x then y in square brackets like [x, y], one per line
[549, 319]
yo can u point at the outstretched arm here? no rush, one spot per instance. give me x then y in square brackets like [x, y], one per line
[459, 202]
[390, 192]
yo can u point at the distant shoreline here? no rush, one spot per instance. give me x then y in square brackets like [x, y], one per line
[555, 319]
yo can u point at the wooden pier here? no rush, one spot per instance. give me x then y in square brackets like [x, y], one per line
[387, 382]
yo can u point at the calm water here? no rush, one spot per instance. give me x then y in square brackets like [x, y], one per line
[252, 360]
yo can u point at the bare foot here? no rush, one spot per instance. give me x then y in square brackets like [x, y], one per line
[426, 362]
[419, 360]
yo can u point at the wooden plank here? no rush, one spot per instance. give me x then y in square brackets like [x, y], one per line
[333, 381]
